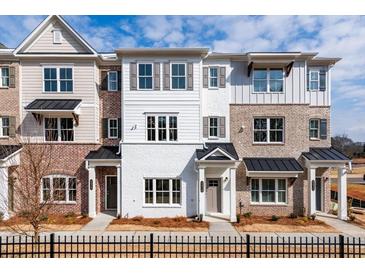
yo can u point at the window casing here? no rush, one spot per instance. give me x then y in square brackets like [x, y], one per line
[58, 189]
[58, 130]
[213, 77]
[178, 76]
[112, 128]
[162, 128]
[314, 129]
[58, 79]
[268, 130]
[268, 80]
[112, 81]
[268, 191]
[213, 127]
[4, 77]
[162, 192]
[145, 76]
[4, 126]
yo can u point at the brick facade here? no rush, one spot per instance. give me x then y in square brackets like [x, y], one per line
[296, 141]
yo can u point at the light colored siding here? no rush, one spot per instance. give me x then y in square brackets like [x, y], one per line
[84, 89]
[294, 88]
[45, 42]
[136, 103]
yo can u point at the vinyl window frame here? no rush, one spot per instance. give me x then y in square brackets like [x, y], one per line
[317, 71]
[268, 129]
[152, 73]
[59, 130]
[210, 77]
[58, 78]
[154, 191]
[51, 189]
[2, 127]
[217, 127]
[276, 202]
[110, 128]
[268, 79]
[318, 129]
[114, 81]
[167, 128]
[185, 76]
[2, 77]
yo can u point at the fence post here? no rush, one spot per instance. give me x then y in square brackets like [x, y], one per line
[151, 245]
[342, 246]
[51, 245]
[0, 246]
[248, 252]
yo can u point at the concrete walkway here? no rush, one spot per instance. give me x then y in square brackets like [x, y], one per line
[100, 222]
[345, 228]
[220, 227]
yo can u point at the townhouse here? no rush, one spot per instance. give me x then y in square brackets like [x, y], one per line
[159, 132]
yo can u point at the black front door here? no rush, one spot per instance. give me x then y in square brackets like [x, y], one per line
[318, 194]
[111, 192]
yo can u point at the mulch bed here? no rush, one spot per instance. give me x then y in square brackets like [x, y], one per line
[53, 219]
[300, 221]
[176, 222]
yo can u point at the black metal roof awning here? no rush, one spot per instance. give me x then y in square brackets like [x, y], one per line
[8, 150]
[217, 151]
[325, 154]
[53, 105]
[104, 153]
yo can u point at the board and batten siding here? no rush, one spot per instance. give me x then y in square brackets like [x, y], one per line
[84, 88]
[45, 42]
[138, 103]
[295, 88]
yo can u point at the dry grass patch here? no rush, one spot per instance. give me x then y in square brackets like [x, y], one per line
[354, 190]
[359, 220]
[283, 224]
[358, 160]
[50, 223]
[158, 224]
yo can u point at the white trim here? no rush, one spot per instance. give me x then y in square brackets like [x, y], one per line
[57, 175]
[268, 129]
[186, 75]
[156, 116]
[218, 127]
[2, 126]
[276, 192]
[109, 127]
[58, 67]
[105, 192]
[209, 77]
[152, 75]
[318, 129]
[317, 70]
[218, 149]
[1, 77]
[116, 81]
[154, 191]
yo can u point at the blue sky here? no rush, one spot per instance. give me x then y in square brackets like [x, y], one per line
[331, 36]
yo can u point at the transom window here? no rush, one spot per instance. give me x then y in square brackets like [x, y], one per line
[112, 81]
[268, 80]
[162, 192]
[58, 129]
[178, 76]
[4, 77]
[268, 130]
[271, 191]
[58, 79]
[113, 128]
[213, 126]
[161, 128]
[314, 128]
[4, 126]
[145, 76]
[58, 188]
[213, 77]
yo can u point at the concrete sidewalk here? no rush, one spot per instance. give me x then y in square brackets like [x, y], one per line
[100, 222]
[345, 228]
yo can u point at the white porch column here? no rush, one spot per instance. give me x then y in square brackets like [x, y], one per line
[201, 191]
[4, 192]
[119, 190]
[233, 217]
[311, 190]
[342, 193]
[92, 192]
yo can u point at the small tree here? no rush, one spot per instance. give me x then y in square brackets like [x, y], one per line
[26, 181]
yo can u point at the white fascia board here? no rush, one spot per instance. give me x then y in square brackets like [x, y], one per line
[273, 174]
[219, 150]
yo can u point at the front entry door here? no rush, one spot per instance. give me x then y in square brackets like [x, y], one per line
[213, 199]
[318, 194]
[111, 192]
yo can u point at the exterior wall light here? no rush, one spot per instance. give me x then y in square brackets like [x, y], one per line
[91, 184]
[202, 186]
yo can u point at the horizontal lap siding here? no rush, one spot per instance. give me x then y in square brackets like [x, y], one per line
[45, 42]
[84, 89]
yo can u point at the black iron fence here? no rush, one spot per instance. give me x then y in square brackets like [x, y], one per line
[354, 202]
[151, 246]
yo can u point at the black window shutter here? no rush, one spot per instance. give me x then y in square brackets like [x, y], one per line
[308, 80]
[323, 129]
[322, 80]
[119, 127]
[105, 125]
[119, 80]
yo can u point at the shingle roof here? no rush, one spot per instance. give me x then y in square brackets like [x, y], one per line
[53, 104]
[104, 152]
[210, 147]
[7, 150]
[325, 154]
[272, 164]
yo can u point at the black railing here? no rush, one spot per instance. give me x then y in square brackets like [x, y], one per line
[181, 247]
[354, 202]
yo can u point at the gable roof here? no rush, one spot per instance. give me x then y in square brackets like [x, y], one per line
[226, 151]
[104, 152]
[38, 31]
[8, 150]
